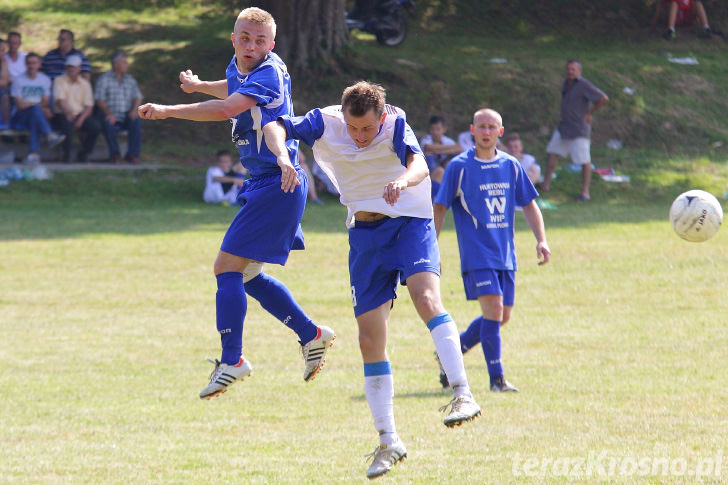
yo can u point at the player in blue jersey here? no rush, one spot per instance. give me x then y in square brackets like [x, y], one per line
[483, 186]
[372, 156]
[257, 89]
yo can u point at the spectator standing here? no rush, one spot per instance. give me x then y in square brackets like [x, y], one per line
[579, 99]
[118, 97]
[54, 62]
[73, 104]
[31, 93]
[15, 57]
[222, 182]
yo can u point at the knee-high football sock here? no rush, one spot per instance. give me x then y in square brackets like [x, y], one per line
[491, 342]
[231, 306]
[447, 343]
[471, 336]
[379, 390]
[277, 300]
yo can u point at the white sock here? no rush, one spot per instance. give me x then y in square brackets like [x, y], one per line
[379, 391]
[447, 344]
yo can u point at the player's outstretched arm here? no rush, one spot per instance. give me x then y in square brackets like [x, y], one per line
[534, 218]
[190, 83]
[274, 134]
[416, 172]
[212, 110]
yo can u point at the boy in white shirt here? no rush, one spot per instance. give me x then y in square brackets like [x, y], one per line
[223, 181]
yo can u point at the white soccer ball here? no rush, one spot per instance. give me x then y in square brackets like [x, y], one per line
[696, 215]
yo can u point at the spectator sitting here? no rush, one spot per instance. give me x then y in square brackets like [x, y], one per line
[54, 62]
[223, 181]
[14, 57]
[438, 150]
[681, 12]
[73, 104]
[31, 93]
[323, 181]
[4, 85]
[118, 97]
[312, 190]
[465, 140]
[514, 146]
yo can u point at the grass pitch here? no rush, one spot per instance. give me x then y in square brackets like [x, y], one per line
[107, 315]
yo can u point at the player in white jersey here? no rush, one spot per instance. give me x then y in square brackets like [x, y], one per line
[373, 158]
[484, 185]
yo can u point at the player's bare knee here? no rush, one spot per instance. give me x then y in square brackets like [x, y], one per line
[428, 303]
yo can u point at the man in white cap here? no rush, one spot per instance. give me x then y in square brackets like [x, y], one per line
[73, 104]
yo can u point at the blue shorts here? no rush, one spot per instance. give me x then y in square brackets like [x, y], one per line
[268, 225]
[491, 282]
[386, 252]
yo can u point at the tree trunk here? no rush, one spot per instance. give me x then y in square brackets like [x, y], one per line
[307, 30]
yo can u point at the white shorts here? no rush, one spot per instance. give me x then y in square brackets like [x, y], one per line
[577, 148]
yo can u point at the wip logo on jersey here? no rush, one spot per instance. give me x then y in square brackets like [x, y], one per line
[496, 203]
[420, 261]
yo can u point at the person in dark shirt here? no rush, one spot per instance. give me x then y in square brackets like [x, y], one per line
[572, 137]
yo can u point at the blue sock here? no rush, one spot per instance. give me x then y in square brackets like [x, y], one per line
[435, 187]
[277, 300]
[231, 306]
[491, 341]
[471, 336]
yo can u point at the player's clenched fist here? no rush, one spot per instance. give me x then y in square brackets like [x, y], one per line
[151, 111]
[188, 81]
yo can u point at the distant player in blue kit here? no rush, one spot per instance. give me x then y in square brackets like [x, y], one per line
[372, 156]
[257, 90]
[484, 185]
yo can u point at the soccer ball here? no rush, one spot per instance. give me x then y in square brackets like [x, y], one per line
[696, 215]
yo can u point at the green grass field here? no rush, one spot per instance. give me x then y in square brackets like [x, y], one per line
[618, 345]
[107, 315]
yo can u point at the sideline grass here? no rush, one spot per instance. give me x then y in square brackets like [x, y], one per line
[107, 304]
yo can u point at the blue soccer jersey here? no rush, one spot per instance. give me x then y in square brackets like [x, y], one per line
[270, 85]
[483, 195]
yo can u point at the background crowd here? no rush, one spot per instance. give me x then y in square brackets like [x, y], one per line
[51, 99]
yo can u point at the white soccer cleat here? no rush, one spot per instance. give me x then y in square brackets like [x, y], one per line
[224, 375]
[385, 457]
[314, 352]
[463, 409]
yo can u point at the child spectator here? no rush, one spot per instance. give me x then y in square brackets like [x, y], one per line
[438, 150]
[514, 146]
[222, 181]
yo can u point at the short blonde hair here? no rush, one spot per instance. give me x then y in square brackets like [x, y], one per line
[258, 16]
[489, 112]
